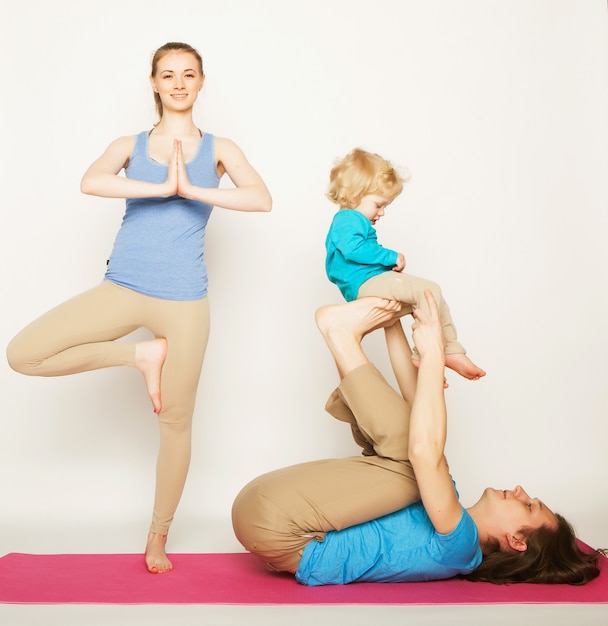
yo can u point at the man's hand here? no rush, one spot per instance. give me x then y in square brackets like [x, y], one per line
[427, 332]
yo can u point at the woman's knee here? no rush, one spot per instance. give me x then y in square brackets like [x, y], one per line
[176, 428]
[18, 356]
[176, 415]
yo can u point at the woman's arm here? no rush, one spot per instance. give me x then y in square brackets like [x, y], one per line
[102, 178]
[250, 192]
[428, 424]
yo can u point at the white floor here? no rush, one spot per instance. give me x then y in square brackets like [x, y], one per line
[216, 536]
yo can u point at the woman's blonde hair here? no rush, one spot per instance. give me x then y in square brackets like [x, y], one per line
[361, 173]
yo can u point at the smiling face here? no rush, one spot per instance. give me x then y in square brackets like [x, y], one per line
[372, 206]
[177, 80]
[507, 512]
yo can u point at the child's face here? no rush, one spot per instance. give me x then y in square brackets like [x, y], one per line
[372, 206]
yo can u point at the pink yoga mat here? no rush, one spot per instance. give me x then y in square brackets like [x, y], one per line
[239, 578]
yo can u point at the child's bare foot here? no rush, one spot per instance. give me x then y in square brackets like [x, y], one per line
[464, 366]
[157, 561]
[149, 359]
[416, 363]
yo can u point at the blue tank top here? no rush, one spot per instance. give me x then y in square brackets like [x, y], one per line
[159, 248]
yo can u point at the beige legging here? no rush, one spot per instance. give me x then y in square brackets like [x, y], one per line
[276, 515]
[79, 335]
[410, 290]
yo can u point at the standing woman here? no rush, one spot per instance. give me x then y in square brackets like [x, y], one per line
[156, 276]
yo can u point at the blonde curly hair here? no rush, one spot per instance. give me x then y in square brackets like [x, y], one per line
[361, 173]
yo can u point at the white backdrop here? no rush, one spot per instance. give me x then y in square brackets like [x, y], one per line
[499, 111]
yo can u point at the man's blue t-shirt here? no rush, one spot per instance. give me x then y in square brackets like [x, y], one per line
[400, 547]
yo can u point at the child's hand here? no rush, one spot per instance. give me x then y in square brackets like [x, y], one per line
[398, 267]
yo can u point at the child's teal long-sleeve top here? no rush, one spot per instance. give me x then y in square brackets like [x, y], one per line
[353, 252]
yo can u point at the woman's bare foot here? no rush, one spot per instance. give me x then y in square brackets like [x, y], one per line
[464, 366]
[149, 359]
[157, 561]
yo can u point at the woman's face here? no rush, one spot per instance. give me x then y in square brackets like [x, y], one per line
[512, 510]
[178, 80]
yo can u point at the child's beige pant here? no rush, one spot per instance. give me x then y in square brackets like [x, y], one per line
[276, 515]
[79, 335]
[410, 290]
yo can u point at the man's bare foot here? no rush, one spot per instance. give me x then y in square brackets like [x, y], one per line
[343, 326]
[149, 359]
[464, 366]
[357, 318]
[157, 561]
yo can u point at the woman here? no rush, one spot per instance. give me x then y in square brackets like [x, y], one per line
[156, 276]
[393, 514]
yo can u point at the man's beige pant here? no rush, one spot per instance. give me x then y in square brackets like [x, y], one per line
[79, 335]
[410, 290]
[276, 515]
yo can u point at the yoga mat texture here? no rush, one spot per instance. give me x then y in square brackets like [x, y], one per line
[239, 578]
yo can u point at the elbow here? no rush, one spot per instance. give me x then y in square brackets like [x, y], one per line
[415, 452]
[423, 452]
[85, 186]
[266, 203]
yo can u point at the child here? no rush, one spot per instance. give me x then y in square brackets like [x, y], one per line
[363, 185]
